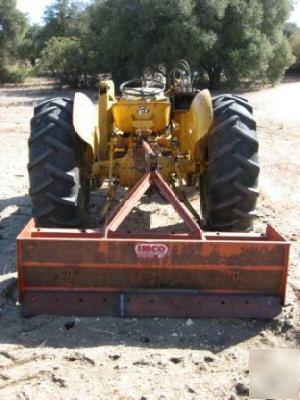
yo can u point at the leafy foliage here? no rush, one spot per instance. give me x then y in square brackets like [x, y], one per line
[13, 75]
[62, 58]
[31, 45]
[61, 19]
[249, 39]
[295, 43]
[12, 28]
[292, 33]
[137, 35]
[290, 29]
[281, 59]
[228, 40]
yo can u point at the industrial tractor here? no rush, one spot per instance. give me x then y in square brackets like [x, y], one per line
[158, 135]
[197, 139]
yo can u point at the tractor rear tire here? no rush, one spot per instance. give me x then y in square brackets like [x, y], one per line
[229, 186]
[59, 192]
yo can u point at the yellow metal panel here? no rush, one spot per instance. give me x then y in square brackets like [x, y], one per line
[127, 111]
[194, 123]
[106, 101]
[202, 111]
[143, 124]
[84, 121]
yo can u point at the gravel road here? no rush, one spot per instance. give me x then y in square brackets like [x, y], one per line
[150, 359]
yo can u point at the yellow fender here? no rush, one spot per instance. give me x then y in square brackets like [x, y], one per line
[195, 124]
[85, 122]
[202, 114]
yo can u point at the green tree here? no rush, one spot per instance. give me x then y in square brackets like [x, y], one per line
[290, 29]
[295, 43]
[275, 15]
[63, 59]
[281, 58]
[292, 33]
[250, 43]
[63, 18]
[32, 45]
[133, 35]
[235, 40]
[65, 23]
[56, 18]
[12, 28]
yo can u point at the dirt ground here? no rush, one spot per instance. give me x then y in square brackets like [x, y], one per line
[160, 359]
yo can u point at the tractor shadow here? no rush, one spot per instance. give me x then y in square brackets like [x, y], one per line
[33, 94]
[153, 214]
[14, 214]
[213, 335]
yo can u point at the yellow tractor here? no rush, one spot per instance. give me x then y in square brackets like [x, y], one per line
[195, 139]
[151, 137]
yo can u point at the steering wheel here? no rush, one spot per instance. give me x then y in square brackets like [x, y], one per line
[142, 87]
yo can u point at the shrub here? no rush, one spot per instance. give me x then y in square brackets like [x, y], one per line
[62, 59]
[13, 75]
[295, 42]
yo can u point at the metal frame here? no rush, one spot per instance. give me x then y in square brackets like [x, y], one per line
[130, 201]
[194, 274]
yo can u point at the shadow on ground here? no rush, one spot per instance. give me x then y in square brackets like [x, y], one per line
[68, 332]
[21, 96]
[15, 212]
[42, 92]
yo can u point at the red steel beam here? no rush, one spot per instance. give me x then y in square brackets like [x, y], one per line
[132, 198]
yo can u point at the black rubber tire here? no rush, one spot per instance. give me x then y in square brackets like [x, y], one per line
[229, 187]
[58, 191]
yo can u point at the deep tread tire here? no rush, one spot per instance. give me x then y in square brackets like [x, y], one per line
[229, 186]
[58, 191]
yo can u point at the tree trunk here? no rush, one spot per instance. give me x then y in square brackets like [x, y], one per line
[32, 61]
[214, 75]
